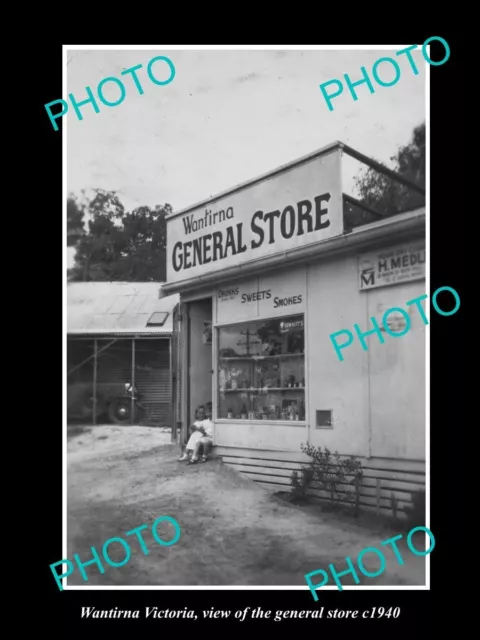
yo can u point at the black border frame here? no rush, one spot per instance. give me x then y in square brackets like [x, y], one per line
[448, 208]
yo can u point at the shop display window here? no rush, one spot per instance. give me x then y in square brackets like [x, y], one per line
[261, 370]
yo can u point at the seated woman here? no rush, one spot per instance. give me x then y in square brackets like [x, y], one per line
[205, 443]
[196, 433]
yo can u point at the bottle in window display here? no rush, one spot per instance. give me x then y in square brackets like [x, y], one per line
[221, 379]
[229, 413]
[243, 414]
[234, 374]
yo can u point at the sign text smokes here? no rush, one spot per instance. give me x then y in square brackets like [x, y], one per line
[306, 216]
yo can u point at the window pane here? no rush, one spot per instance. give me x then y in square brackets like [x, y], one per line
[157, 319]
[261, 370]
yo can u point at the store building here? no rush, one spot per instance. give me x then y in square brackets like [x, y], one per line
[266, 272]
[119, 354]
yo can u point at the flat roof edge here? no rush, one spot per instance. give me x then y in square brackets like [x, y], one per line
[333, 146]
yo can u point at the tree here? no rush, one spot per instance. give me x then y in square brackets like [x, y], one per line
[381, 193]
[120, 245]
[75, 224]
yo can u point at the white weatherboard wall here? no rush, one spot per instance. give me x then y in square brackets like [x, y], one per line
[260, 436]
[334, 303]
[397, 378]
[377, 396]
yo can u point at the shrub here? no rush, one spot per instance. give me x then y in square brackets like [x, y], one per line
[328, 471]
[301, 483]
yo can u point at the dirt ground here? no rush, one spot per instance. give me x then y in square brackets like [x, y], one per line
[233, 532]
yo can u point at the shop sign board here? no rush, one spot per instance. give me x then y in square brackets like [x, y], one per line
[403, 263]
[263, 297]
[297, 207]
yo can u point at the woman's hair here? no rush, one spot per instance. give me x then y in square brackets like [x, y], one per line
[198, 409]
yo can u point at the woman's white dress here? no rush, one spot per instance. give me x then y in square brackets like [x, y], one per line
[195, 437]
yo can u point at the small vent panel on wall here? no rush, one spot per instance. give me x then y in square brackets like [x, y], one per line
[324, 419]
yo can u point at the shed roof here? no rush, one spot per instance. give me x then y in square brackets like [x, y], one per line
[111, 308]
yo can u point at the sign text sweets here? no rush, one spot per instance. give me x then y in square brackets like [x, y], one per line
[306, 216]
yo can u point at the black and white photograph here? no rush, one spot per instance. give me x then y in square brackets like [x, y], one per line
[246, 266]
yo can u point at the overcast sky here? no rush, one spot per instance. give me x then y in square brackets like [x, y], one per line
[226, 117]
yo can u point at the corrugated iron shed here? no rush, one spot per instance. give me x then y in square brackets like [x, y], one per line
[116, 308]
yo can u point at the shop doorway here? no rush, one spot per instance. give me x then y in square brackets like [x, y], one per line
[200, 357]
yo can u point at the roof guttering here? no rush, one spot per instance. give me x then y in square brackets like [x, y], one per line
[395, 229]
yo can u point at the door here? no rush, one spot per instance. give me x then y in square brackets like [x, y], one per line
[177, 355]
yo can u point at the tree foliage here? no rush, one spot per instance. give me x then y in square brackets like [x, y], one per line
[75, 223]
[120, 245]
[387, 196]
[113, 244]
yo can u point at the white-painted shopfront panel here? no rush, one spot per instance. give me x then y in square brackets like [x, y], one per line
[287, 294]
[270, 296]
[256, 435]
[236, 302]
[334, 303]
[397, 375]
[377, 396]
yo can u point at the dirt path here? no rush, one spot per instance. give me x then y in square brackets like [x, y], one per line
[233, 532]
